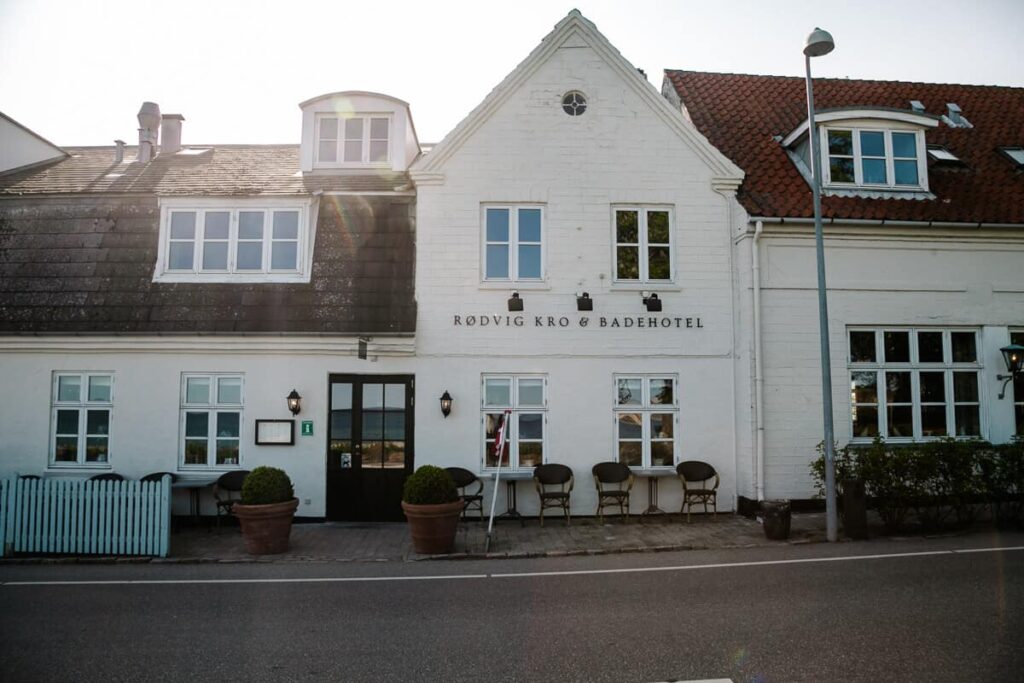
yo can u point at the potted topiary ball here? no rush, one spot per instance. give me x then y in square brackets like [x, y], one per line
[266, 510]
[432, 506]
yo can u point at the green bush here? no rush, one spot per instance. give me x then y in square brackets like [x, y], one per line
[267, 485]
[429, 485]
[938, 479]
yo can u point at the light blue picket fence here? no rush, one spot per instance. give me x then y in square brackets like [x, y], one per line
[85, 517]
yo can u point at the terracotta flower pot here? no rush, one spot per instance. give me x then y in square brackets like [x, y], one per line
[433, 526]
[266, 528]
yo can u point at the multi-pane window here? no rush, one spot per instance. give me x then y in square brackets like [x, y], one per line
[646, 418]
[353, 140]
[1018, 387]
[211, 420]
[913, 384]
[643, 244]
[513, 243]
[82, 403]
[884, 158]
[232, 241]
[526, 397]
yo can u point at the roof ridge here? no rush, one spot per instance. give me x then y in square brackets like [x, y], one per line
[819, 79]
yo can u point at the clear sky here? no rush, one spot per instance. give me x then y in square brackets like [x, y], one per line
[76, 72]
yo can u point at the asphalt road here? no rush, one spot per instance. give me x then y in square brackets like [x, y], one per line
[916, 610]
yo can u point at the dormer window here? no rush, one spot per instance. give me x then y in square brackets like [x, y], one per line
[353, 140]
[872, 157]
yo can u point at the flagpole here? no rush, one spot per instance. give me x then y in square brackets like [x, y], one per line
[500, 447]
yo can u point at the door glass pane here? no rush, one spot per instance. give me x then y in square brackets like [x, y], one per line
[498, 392]
[964, 349]
[394, 396]
[373, 454]
[197, 390]
[69, 388]
[929, 347]
[531, 392]
[341, 396]
[897, 347]
[341, 424]
[630, 391]
[99, 388]
[394, 425]
[373, 424]
[394, 454]
[373, 396]
[862, 346]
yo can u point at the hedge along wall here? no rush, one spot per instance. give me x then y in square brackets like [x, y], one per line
[938, 480]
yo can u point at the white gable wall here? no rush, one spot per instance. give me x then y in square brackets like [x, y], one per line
[19, 147]
[621, 151]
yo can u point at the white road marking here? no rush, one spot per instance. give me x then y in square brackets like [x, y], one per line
[517, 575]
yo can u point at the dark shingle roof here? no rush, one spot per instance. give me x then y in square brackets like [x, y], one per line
[85, 265]
[224, 170]
[741, 114]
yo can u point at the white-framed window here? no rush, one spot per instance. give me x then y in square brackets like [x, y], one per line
[914, 384]
[874, 157]
[211, 420]
[219, 241]
[646, 418]
[354, 140]
[513, 244]
[643, 244]
[80, 417]
[1017, 337]
[527, 397]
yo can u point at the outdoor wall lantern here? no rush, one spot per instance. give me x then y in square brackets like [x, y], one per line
[446, 403]
[514, 302]
[584, 302]
[1014, 357]
[294, 402]
[652, 302]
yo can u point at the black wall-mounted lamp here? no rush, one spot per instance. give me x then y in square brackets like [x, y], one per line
[1014, 357]
[446, 403]
[294, 402]
[652, 302]
[584, 302]
[514, 302]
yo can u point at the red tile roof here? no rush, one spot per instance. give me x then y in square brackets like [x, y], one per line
[224, 170]
[741, 114]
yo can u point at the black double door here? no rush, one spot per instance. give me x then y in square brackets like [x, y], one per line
[369, 446]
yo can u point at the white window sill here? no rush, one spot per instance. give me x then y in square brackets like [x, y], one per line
[237, 278]
[645, 287]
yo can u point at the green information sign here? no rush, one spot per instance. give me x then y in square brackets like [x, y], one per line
[307, 428]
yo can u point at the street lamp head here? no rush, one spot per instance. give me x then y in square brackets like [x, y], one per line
[819, 43]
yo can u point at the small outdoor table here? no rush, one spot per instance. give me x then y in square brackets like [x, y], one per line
[511, 478]
[653, 475]
[194, 485]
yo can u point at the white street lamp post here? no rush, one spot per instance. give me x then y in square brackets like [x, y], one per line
[820, 43]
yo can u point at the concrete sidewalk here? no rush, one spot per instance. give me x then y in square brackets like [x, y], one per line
[387, 542]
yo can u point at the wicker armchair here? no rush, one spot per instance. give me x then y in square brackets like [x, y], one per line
[229, 484]
[614, 481]
[554, 485]
[464, 482]
[695, 476]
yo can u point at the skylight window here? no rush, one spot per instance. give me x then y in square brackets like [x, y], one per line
[941, 154]
[1015, 154]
